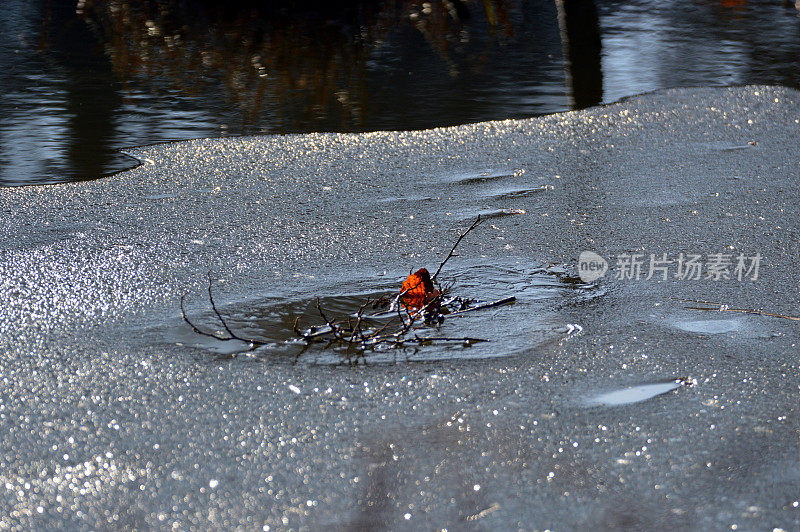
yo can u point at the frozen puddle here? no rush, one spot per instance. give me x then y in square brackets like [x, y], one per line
[636, 394]
[709, 326]
[537, 315]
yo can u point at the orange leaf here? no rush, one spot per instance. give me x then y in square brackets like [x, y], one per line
[418, 289]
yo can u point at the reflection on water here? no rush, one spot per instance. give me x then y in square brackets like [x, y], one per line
[673, 43]
[81, 79]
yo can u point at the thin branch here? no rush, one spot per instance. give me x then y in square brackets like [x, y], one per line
[301, 334]
[297, 330]
[234, 336]
[357, 337]
[315, 332]
[382, 328]
[332, 324]
[504, 301]
[396, 336]
[195, 328]
[475, 224]
[426, 340]
[466, 339]
[430, 305]
[406, 324]
[747, 311]
[446, 288]
[396, 300]
[721, 307]
[214, 308]
[702, 302]
[357, 328]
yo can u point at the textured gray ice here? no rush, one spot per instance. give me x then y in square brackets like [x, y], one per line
[109, 422]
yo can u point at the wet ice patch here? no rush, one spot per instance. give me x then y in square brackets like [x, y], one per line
[732, 145]
[407, 199]
[634, 394]
[709, 326]
[663, 197]
[490, 213]
[730, 325]
[482, 176]
[518, 192]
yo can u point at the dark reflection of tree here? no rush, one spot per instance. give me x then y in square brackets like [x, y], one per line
[709, 42]
[296, 66]
[91, 93]
[755, 41]
[580, 34]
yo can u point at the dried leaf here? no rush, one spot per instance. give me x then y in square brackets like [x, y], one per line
[418, 289]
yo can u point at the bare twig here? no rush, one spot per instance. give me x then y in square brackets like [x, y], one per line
[431, 305]
[216, 312]
[335, 331]
[395, 303]
[721, 307]
[360, 316]
[407, 324]
[233, 335]
[446, 288]
[396, 336]
[427, 340]
[466, 339]
[747, 311]
[296, 329]
[356, 336]
[314, 332]
[475, 224]
[504, 301]
[197, 329]
[382, 328]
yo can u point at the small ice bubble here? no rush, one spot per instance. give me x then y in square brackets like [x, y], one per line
[213, 483]
[476, 487]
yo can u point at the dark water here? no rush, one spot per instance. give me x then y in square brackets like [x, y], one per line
[80, 80]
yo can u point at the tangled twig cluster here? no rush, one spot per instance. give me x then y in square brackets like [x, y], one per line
[392, 322]
[397, 331]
